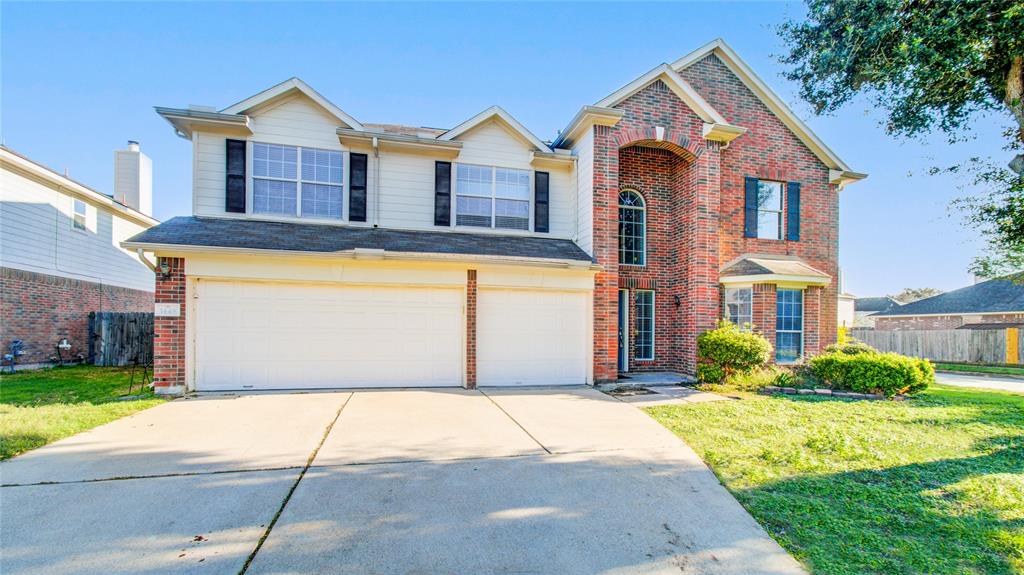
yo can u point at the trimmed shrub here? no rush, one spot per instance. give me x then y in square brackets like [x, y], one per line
[728, 350]
[759, 378]
[888, 374]
[850, 347]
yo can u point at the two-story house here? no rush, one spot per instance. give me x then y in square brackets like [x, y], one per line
[328, 252]
[61, 256]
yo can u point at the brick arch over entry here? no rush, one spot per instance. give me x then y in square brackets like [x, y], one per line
[671, 140]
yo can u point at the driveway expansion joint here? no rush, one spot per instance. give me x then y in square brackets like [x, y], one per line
[155, 476]
[507, 414]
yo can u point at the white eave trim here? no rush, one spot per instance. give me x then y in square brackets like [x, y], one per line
[348, 136]
[585, 119]
[770, 99]
[724, 133]
[842, 177]
[943, 314]
[489, 114]
[293, 85]
[366, 254]
[676, 83]
[71, 187]
[185, 121]
[785, 279]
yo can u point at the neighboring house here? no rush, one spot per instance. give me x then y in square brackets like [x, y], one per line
[61, 254]
[326, 252]
[865, 308]
[987, 304]
[846, 310]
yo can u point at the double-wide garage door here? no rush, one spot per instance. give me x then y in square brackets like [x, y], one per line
[271, 335]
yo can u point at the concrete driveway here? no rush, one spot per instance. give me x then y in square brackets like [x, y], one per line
[1014, 384]
[413, 482]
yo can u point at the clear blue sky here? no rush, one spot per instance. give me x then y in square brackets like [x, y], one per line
[78, 80]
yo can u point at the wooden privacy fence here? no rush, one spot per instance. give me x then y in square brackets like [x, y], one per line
[956, 345]
[119, 338]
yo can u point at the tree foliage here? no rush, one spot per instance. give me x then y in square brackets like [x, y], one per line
[913, 294]
[932, 65]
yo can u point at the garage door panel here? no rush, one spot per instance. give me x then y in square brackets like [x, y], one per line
[252, 335]
[532, 337]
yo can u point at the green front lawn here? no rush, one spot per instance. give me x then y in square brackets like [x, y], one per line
[934, 484]
[41, 406]
[996, 369]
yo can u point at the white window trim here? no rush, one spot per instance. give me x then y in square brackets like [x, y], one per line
[85, 216]
[726, 306]
[250, 192]
[494, 198]
[781, 211]
[802, 332]
[653, 327]
[619, 206]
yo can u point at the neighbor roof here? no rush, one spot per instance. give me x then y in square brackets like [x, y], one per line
[875, 304]
[239, 234]
[761, 268]
[1003, 295]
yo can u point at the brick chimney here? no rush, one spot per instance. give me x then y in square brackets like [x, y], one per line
[133, 178]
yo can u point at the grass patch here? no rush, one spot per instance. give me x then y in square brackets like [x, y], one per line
[41, 406]
[934, 484]
[997, 369]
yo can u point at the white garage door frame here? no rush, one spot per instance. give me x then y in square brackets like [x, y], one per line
[529, 350]
[195, 285]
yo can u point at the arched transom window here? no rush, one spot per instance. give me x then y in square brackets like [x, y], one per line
[632, 229]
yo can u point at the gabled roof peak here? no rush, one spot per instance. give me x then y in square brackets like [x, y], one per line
[495, 112]
[293, 85]
[676, 83]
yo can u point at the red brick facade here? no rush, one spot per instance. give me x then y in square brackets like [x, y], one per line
[169, 332]
[694, 195]
[42, 309]
[471, 329]
[926, 322]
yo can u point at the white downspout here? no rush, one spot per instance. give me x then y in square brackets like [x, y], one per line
[142, 258]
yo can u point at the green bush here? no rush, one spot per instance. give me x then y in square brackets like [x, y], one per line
[850, 347]
[888, 374]
[759, 378]
[728, 350]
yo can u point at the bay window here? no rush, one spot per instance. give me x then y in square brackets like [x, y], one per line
[279, 187]
[492, 197]
[789, 325]
[739, 307]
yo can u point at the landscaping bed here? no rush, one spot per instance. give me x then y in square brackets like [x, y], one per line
[933, 484]
[41, 406]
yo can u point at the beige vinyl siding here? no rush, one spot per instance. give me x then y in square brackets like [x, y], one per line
[584, 151]
[36, 234]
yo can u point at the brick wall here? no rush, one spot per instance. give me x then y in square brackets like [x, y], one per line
[897, 323]
[42, 309]
[471, 291]
[169, 332]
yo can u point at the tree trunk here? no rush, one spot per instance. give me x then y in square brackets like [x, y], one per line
[1015, 101]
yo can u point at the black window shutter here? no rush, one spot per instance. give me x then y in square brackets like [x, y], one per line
[750, 209]
[793, 211]
[442, 193]
[357, 187]
[540, 201]
[234, 191]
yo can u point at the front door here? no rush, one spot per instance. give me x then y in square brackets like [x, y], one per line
[623, 330]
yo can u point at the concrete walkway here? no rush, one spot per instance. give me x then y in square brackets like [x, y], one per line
[981, 381]
[427, 481]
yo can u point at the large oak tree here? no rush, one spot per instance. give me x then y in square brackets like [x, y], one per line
[931, 65]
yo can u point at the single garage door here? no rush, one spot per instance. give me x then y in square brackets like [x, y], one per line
[265, 335]
[532, 337]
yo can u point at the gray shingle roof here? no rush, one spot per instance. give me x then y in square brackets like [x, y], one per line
[993, 296]
[876, 304]
[300, 237]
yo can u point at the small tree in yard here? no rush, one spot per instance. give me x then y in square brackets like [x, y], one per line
[728, 350]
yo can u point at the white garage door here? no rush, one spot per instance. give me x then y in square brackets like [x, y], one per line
[532, 337]
[262, 335]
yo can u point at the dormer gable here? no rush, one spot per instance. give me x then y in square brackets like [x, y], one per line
[497, 115]
[288, 89]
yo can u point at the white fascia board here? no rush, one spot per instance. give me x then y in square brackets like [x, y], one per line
[289, 85]
[586, 118]
[185, 121]
[348, 136]
[364, 254]
[775, 279]
[724, 133]
[68, 186]
[676, 83]
[764, 93]
[488, 114]
[944, 314]
[841, 177]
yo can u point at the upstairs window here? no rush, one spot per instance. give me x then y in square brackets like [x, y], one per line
[80, 215]
[492, 197]
[769, 210]
[280, 188]
[632, 229]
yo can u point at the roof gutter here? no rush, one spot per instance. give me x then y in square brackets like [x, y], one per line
[367, 253]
